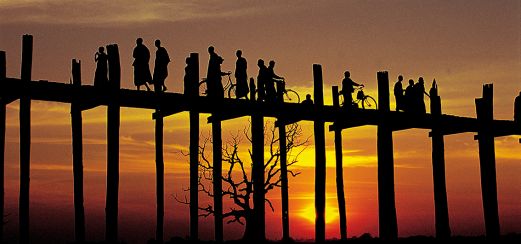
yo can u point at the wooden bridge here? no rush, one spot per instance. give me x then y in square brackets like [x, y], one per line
[83, 97]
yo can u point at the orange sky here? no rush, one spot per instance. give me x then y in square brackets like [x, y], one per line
[462, 44]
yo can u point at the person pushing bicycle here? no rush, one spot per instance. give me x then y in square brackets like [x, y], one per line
[348, 87]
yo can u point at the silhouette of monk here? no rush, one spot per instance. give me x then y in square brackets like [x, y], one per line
[241, 76]
[517, 108]
[419, 89]
[100, 76]
[348, 87]
[189, 87]
[262, 78]
[161, 67]
[271, 92]
[410, 97]
[141, 56]
[308, 100]
[213, 76]
[398, 94]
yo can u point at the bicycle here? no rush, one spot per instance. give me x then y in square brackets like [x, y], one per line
[365, 100]
[289, 94]
[230, 86]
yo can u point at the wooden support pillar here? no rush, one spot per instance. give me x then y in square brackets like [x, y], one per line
[388, 227]
[283, 168]
[194, 150]
[487, 161]
[320, 157]
[113, 122]
[77, 154]
[25, 138]
[2, 142]
[438, 169]
[160, 168]
[217, 181]
[340, 172]
[257, 136]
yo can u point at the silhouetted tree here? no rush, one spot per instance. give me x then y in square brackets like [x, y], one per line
[237, 183]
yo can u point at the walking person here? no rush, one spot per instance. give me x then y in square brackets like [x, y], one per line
[213, 75]
[348, 87]
[160, 67]
[419, 95]
[241, 76]
[409, 98]
[261, 80]
[398, 94]
[100, 75]
[142, 74]
[272, 79]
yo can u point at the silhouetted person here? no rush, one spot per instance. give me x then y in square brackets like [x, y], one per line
[419, 89]
[100, 76]
[348, 87]
[213, 76]
[398, 94]
[141, 56]
[262, 78]
[308, 100]
[189, 87]
[517, 108]
[409, 97]
[241, 76]
[271, 92]
[160, 67]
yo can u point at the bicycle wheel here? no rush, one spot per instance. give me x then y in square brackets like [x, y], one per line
[369, 102]
[292, 96]
[232, 91]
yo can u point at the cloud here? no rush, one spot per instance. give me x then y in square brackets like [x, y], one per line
[118, 12]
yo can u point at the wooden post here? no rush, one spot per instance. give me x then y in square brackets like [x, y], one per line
[113, 122]
[194, 151]
[25, 138]
[2, 142]
[160, 167]
[487, 161]
[388, 227]
[283, 168]
[340, 172]
[77, 154]
[257, 136]
[217, 181]
[320, 157]
[438, 169]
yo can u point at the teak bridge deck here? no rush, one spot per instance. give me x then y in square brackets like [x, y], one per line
[82, 97]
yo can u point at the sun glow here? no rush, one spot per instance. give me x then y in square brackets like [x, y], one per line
[308, 213]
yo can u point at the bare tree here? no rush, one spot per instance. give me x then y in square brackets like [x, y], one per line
[237, 183]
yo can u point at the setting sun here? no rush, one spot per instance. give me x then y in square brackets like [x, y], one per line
[308, 213]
